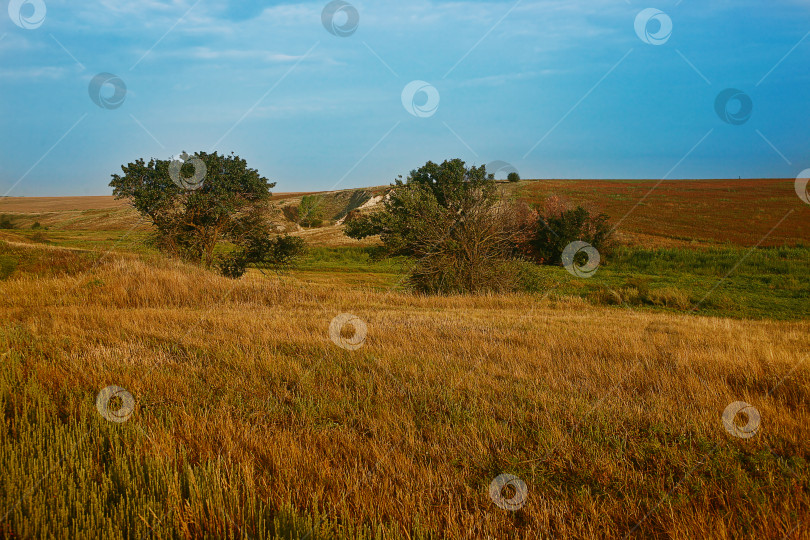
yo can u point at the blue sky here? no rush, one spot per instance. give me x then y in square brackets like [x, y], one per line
[557, 88]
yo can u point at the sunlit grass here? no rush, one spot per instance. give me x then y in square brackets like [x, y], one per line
[250, 422]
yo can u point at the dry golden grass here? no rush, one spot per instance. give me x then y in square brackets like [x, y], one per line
[91, 213]
[31, 205]
[611, 417]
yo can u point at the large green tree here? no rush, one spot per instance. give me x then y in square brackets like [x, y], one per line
[198, 202]
[449, 217]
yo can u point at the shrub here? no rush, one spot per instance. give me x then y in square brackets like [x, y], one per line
[442, 274]
[233, 266]
[7, 223]
[554, 232]
[513, 177]
[468, 253]
[361, 226]
[36, 225]
[277, 252]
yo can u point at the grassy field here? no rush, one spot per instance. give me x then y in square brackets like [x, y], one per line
[605, 396]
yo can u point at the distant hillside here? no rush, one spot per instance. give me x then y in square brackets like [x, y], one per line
[648, 212]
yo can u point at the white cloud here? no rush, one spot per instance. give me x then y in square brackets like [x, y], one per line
[34, 72]
[206, 53]
[502, 79]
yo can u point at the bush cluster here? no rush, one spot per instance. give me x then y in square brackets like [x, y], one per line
[463, 234]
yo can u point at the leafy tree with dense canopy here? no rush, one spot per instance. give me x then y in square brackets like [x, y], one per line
[229, 204]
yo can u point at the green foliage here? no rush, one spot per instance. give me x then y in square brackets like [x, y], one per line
[359, 226]
[36, 225]
[447, 216]
[433, 195]
[278, 252]
[233, 266]
[555, 232]
[310, 213]
[513, 177]
[190, 223]
[263, 251]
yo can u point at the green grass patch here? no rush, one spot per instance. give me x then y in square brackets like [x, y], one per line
[761, 283]
[369, 259]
